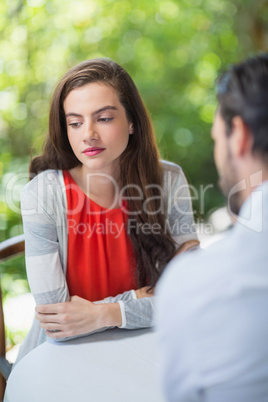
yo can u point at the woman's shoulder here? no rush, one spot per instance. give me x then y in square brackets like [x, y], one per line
[44, 180]
[171, 167]
[173, 174]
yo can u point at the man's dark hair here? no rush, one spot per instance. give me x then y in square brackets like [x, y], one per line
[243, 91]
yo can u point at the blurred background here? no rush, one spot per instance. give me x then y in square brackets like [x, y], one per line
[174, 51]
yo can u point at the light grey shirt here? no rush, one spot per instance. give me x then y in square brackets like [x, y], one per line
[44, 212]
[212, 315]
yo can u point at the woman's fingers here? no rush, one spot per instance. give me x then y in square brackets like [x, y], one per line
[48, 317]
[50, 308]
[50, 327]
[188, 245]
[57, 334]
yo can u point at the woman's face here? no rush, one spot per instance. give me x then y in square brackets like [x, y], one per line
[97, 127]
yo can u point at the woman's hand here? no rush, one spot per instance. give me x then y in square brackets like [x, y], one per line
[77, 317]
[144, 292]
[188, 245]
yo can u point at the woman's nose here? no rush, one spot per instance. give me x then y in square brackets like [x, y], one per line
[90, 132]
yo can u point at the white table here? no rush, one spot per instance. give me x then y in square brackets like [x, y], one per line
[115, 366]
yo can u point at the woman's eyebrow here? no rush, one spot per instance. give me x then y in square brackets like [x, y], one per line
[108, 107]
[73, 114]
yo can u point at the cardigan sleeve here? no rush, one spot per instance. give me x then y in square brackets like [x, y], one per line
[136, 313]
[42, 252]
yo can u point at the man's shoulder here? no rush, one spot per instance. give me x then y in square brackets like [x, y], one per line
[190, 271]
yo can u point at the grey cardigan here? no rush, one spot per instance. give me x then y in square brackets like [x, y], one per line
[44, 207]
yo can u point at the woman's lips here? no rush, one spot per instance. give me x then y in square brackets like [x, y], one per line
[93, 151]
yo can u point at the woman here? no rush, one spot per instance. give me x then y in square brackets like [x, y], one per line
[102, 214]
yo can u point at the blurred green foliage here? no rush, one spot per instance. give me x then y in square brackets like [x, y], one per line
[173, 49]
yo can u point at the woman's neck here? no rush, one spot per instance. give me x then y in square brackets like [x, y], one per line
[101, 187]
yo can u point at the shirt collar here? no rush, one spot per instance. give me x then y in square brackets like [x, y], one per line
[254, 211]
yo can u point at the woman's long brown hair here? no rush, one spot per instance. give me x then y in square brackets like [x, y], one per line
[140, 162]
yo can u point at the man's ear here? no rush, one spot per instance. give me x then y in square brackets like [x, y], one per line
[240, 139]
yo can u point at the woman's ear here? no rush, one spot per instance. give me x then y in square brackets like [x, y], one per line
[131, 128]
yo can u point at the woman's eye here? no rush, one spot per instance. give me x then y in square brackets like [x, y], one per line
[75, 125]
[105, 119]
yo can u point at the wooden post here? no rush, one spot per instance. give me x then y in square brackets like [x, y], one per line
[2, 346]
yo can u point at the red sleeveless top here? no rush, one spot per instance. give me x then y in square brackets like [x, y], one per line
[100, 256]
